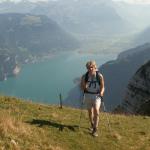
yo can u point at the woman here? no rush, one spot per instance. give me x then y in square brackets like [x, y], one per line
[92, 83]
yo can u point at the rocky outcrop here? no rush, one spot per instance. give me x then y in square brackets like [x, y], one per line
[137, 98]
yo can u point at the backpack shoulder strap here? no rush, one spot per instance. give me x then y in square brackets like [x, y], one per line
[98, 77]
[86, 76]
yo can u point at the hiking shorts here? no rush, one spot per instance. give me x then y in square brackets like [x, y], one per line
[92, 100]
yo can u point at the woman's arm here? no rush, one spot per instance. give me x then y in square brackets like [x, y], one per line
[102, 87]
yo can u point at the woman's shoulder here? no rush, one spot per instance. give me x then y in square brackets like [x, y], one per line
[85, 74]
[100, 74]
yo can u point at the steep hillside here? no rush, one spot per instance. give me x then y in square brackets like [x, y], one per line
[117, 73]
[137, 97]
[33, 33]
[24, 126]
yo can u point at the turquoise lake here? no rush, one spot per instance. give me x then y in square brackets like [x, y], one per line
[43, 81]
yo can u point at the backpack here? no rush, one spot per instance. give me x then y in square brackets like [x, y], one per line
[91, 82]
[97, 77]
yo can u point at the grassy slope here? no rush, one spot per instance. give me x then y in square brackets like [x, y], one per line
[28, 126]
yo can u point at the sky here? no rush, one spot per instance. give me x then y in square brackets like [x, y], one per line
[128, 1]
[134, 1]
[22, 0]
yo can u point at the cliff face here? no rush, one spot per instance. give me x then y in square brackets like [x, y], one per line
[137, 98]
[117, 73]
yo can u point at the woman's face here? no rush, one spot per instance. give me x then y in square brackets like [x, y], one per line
[91, 69]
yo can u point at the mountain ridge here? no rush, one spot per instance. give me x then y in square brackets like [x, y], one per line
[117, 73]
[75, 14]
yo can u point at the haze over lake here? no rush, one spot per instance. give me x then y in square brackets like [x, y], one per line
[43, 81]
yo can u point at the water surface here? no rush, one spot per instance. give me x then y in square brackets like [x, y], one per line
[43, 81]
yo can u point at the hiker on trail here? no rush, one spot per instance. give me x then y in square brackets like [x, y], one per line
[92, 84]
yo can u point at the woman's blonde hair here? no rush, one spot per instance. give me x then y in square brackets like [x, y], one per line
[91, 63]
